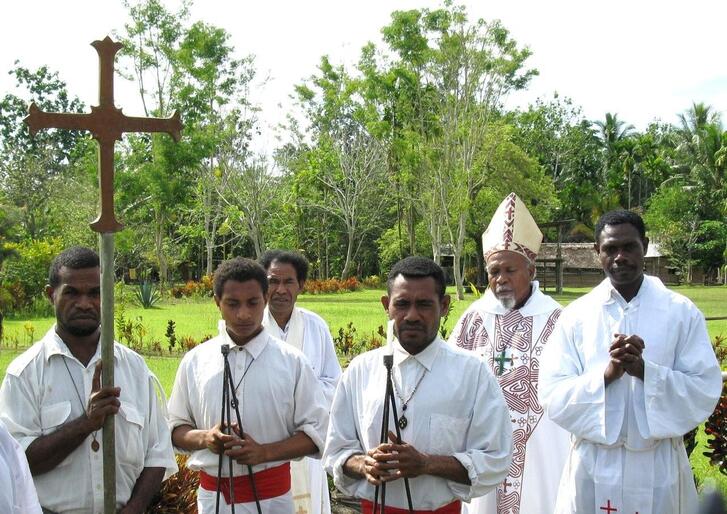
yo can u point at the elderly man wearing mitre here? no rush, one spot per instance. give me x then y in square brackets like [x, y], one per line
[508, 327]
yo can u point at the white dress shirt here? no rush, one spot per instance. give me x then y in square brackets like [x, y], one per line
[38, 396]
[627, 451]
[17, 492]
[277, 391]
[457, 410]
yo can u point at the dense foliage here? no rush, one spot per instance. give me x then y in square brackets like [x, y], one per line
[408, 152]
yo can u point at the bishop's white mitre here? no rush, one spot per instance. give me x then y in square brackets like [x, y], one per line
[512, 228]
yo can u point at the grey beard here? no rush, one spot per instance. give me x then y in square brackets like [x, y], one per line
[507, 301]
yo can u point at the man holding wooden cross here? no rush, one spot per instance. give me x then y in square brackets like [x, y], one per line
[52, 402]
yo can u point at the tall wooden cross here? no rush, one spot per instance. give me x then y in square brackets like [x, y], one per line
[107, 124]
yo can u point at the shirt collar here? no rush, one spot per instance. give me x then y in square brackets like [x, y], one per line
[425, 357]
[54, 345]
[610, 294]
[254, 346]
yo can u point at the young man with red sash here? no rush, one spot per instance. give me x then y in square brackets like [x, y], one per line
[456, 441]
[282, 407]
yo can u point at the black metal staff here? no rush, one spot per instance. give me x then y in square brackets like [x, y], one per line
[389, 400]
[229, 401]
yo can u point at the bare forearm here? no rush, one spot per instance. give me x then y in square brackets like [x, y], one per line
[354, 466]
[446, 467]
[189, 438]
[146, 486]
[46, 452]
[297, 445]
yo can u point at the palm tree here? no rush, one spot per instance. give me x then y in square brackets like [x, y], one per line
[695, 119]
[702, 145]
[612, 133]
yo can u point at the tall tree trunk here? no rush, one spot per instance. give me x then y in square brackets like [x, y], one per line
[350, 233]
[458, 249]
[159, 225]
[411, 229]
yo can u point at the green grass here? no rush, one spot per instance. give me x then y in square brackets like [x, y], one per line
[198, 318]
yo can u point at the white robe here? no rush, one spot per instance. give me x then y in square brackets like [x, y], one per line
[627, 451]
[309, 333]
[457, 410]
[17, 492]
[511, 342]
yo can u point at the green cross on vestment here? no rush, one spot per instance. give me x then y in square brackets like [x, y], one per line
[501, 359]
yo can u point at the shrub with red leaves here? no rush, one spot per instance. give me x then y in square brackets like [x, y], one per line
[716, 430]
[178, 493]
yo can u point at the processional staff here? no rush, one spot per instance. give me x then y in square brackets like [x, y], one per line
[106, 124]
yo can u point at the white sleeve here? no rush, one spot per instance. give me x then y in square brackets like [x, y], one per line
[311, 408]
[489, 440]
[179, 409]
[159, 452]
[19, 409]
[342, 440]
[26, 497]
[676, 399]
[576, 398]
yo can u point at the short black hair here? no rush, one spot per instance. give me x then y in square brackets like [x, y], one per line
[417, 267]
[240, 270]
[75, 257]
[295, 259]
[619, 217]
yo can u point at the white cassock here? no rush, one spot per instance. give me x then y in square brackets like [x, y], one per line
[627, 452]
[511, 342]
[278, 396]
[457, 410]
[17, 492]
[309, 333]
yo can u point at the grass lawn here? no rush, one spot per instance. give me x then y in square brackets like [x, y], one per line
[198, 319]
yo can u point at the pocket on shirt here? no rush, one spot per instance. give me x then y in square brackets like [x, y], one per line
[129, 438]
[54, 415]
[447, 434]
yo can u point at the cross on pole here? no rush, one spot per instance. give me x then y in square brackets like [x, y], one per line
[106, 124]
[608, 508]
[501, 360]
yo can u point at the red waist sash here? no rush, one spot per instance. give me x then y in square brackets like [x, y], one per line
[269, 483]
[367, 507]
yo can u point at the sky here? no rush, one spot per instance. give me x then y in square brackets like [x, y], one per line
[641, 59]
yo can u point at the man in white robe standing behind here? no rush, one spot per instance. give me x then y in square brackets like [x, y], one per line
[309, 333]
[628, 371]
[509, 327]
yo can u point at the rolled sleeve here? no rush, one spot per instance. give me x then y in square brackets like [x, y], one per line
[159, 451]
[19, 410]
